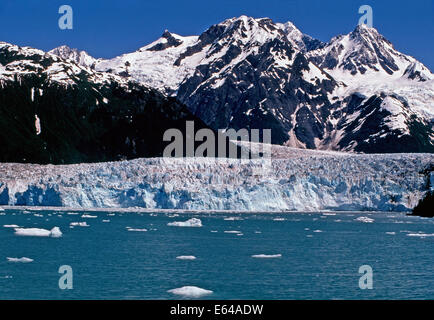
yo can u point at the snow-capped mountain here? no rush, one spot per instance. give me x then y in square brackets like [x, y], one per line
[18, 62]
[254, 73]
[366, 52]
[155, 64]
[56, 111]
[369, 64]
[301, 41]
[253, 77]
[80, 57]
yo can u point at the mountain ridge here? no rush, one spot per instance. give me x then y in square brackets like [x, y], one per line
[254, 73]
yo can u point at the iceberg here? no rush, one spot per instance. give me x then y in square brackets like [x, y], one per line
[79, 224]
[190, 292]
[23, 259]
[136, 230]
[186, 258]
[422, 235]
[267, 256]
[364, 219]
[36, 232]
[88, 216]
[193, 222]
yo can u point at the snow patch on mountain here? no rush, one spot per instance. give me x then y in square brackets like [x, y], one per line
[155, 68]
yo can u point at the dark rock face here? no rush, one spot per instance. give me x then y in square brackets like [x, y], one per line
[171, 41]
[425, 207]
[86, 121]
[75, 129]
[369, 129]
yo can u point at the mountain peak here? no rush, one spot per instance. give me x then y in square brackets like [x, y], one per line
[166, 34]
[362, 31]
[80, 57]
[362, 51]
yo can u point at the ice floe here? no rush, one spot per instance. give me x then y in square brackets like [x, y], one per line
[364, 219]
[79, 224]
[190, 291]
[193, 222]
[22, 260]
[266, 256]
[422, 235]
[186, 258]
[137, 230]
[88, 216]
[10, 226]
[36, 232]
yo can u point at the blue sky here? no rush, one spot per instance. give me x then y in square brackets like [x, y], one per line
[106, 28]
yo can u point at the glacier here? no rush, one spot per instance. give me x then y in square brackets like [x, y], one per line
[299, 180]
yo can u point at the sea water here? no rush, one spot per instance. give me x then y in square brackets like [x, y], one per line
[227, 256]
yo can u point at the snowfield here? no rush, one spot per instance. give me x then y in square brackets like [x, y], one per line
[299, 180]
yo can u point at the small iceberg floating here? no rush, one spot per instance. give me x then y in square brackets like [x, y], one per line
[22, 260]
[79, 224]
[190, 292]
[186, 258]
[193, 222]
[36, 232]
[233, 231]
[136, 230]
[364, 219]
[267, 256]
[88, 216]
[10, 226]
[422, 235]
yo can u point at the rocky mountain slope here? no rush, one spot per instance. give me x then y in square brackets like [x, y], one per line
[56, 111]
[355, 93]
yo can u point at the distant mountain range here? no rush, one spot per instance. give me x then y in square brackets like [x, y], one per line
[355, 93]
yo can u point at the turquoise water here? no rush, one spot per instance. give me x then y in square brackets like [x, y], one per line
[110, 262]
